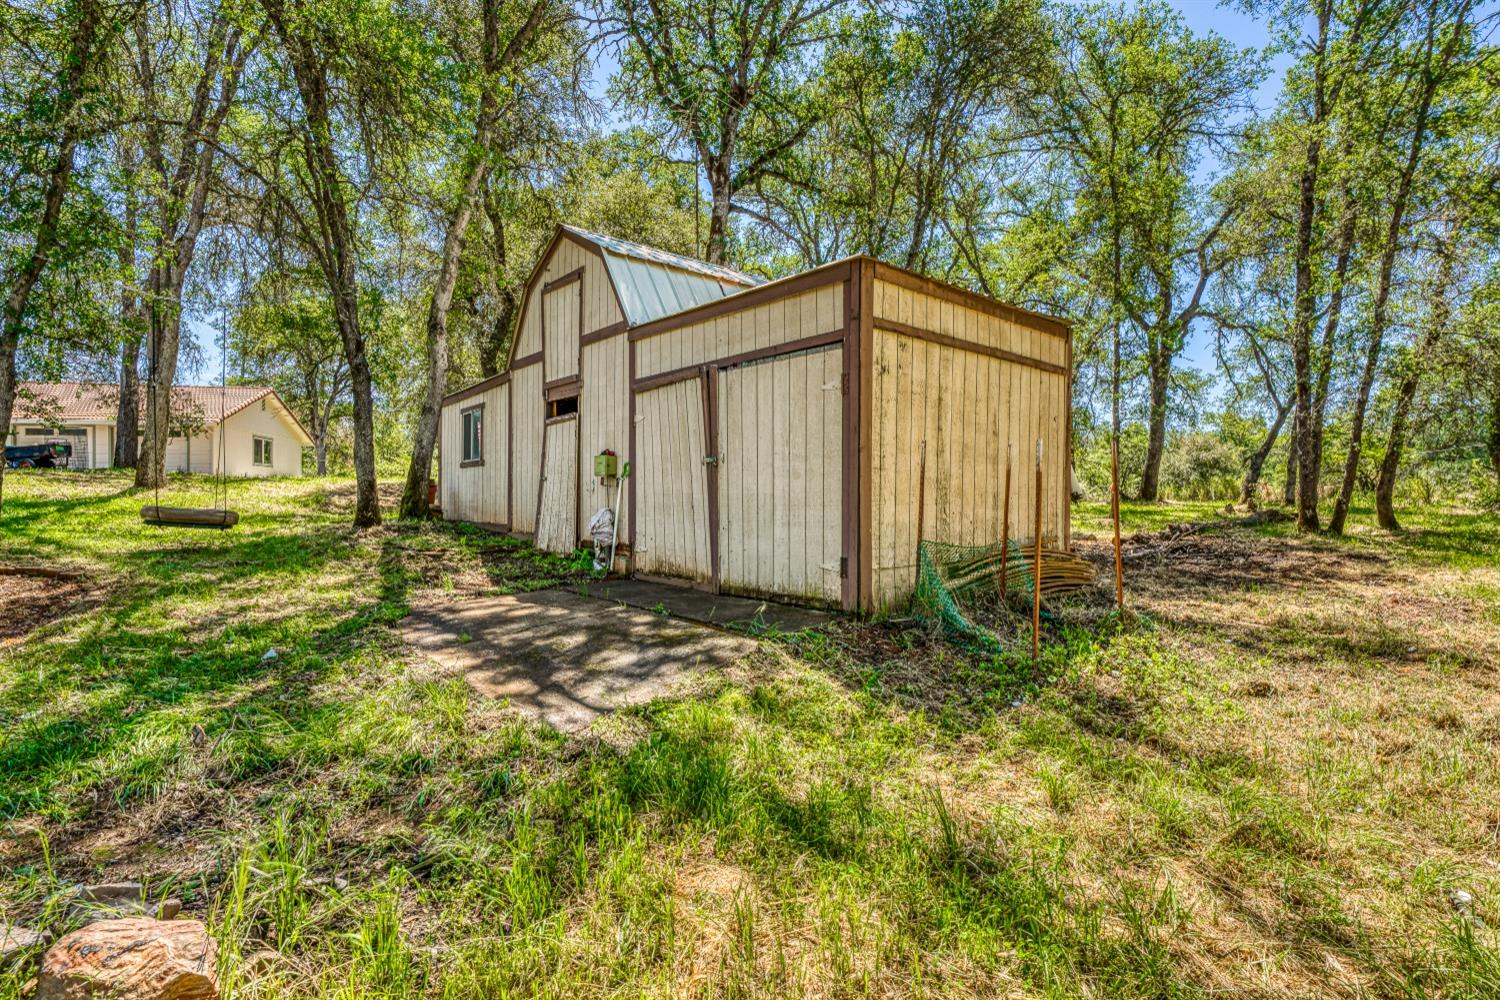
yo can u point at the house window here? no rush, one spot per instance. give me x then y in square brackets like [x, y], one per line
[566, 406]
[473, 427]
[262, 451]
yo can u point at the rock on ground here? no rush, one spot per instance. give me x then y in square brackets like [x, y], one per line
[135, 958]
[16, 941]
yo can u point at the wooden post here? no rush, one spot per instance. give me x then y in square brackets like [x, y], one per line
[1114, 513]
[1005, 528]
[921, 510]
[1036, 566]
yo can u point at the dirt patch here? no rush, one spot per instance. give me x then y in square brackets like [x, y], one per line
[341, 499]
[567, 659]
[32, 597]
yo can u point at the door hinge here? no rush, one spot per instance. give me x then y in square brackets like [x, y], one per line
[844, 383]
[843, 567]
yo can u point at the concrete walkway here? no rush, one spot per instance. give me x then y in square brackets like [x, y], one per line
[567, 659]
[740, 614]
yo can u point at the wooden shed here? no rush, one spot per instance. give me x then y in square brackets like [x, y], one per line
[774, 429]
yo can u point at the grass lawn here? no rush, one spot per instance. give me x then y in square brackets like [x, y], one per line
[1274, 783]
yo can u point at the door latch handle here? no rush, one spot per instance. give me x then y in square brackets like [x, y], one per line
[712, 459]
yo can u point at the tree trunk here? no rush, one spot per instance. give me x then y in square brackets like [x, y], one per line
[1493, 443]
[21, 281]
[1258, 460]
[1157, 432]
[414, 497]
[161, 372]
[1289, 490]
[1303, 307]
[1406, 392]
[492, 343]
[127, 413]
[1378, 313]
[718, 219]
[181, 210]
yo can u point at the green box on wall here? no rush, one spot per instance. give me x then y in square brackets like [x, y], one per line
[606, 464]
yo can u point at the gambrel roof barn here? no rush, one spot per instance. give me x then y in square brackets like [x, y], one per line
[775, 430]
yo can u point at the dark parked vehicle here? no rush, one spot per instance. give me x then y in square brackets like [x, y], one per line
[52, 455]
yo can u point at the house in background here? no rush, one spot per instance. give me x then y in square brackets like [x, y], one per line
[259, 434]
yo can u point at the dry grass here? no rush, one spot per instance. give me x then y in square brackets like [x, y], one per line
[1272, 782]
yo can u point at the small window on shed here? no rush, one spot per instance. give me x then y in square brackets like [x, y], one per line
[562, 407]
[473, 430]
[262, 451]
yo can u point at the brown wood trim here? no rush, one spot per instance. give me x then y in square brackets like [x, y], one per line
[574, 275]
[917, 333]
[510, 457]
[866, 388]
[952, 293]
[665, 378]
[744, 357]
[1068, 483]
[533, 358]
[711, 439]
[562, 388]
[848, 447]
[603, 333]
[797, 283]
[459, 395]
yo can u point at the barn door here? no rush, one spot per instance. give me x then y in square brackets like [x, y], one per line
[557, 513]
[780, 470]
[672, 521]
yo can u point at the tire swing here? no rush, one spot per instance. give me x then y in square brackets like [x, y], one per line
[219, 516]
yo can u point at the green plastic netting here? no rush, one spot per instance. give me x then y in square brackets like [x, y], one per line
[954, 582]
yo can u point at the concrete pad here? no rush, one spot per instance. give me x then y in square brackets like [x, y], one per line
[723, 610]
[567, 659]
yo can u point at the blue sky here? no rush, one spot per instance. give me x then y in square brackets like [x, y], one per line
[1203, 16]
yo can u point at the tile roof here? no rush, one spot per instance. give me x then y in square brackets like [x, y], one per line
[96, 402]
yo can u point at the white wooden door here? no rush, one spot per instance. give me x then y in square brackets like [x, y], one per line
[558, 514]
[781, 476]
[672, 523]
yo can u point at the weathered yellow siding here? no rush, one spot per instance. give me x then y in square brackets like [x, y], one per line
[560, 318]
[477, 492]
[600, 309]
[604, 409]
[974, 412]
[672, 533]
[780, 475]
[779, 321]
[556, 522]
[527, 411]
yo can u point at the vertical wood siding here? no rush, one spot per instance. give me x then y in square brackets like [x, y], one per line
[527, 412]
[780, 475]
[478, 492]
[560, 320]
[972, 410]
[604, 412]
[779, 321]
[555, 531]
[599, 306]
[672, 522]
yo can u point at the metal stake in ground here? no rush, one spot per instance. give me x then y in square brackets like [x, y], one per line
[1005, 528]
[921, 509]
[1036, 566]
[1114, 513]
